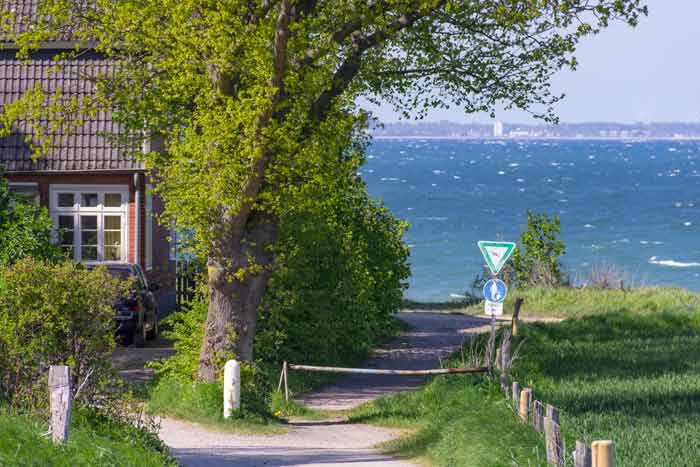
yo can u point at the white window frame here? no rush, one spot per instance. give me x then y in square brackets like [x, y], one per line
[100, 211]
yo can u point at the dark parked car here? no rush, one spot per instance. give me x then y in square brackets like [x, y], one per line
[136, 316]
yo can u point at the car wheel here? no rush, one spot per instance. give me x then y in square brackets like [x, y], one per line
[140, 337]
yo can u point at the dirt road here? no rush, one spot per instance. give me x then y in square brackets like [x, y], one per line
[336, 442]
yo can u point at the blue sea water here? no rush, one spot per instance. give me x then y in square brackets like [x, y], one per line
[631, 204]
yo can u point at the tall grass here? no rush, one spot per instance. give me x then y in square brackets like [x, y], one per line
[93, 441]
[633, 378]
[455, 421]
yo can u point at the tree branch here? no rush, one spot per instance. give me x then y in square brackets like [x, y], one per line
[351, 66]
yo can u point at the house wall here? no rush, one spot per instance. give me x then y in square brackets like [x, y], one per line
[163, 270]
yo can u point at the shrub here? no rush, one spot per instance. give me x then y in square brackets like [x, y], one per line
[536, 261]
[25, 229]
[54, 314]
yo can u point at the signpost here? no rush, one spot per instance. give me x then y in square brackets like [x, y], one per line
[495, 290]
[496, 254]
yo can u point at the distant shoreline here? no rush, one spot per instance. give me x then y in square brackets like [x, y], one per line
[540, 138]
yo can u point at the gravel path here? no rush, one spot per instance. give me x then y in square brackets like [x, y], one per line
[329, 443]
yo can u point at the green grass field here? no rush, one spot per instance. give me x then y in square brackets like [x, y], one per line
[568, 302]
[92, 442]
[455, 421]
[630, 377]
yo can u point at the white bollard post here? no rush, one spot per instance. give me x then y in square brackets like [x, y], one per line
[232, 387]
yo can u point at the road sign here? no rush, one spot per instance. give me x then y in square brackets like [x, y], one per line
[495, 290]
[493, 308]
[496, 254]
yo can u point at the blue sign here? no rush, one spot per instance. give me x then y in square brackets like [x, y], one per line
[495, 290]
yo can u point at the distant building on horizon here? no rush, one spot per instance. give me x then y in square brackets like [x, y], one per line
[498, 129]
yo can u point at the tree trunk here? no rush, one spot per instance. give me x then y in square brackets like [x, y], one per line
[234, 301]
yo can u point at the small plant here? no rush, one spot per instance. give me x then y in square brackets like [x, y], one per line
[55, 314]
[536, 261]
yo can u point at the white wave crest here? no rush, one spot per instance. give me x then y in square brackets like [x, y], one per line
[672, 263]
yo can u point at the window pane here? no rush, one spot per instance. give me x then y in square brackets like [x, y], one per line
[113, 200]
[113, 238]
[66, 222]
[65, 237]
[89, 200]
[65, 200]
[88, 237]
[88, 222]
[113, 253]
[88, 253]
[113, 222]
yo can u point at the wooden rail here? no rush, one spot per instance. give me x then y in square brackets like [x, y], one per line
[373, 371]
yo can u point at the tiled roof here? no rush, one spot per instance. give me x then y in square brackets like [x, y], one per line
[25, 12]
[88, 148]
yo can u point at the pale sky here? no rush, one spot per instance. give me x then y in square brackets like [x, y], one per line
[642, 74]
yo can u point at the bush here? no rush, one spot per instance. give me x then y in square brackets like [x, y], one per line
[54, 314]
[25, 229]
[338, 281]
[536, 260]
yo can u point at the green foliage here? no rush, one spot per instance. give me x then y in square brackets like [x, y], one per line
[202, 403]
[185, 329]
[54, 314]
[536, 259]
[25, 229]
[569, 302]
[456, 420]
[623, 376]
[339, 277]
[94, 441]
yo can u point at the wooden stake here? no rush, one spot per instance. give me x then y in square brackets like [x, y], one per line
[60, 402]
[538, 416]
[516, 312]
[524, 409]
[554, 444]
[286, 382]
[603, 454]
[279, 385]
[505, 351]
[553, 413]
[582, 455]
[516, 393]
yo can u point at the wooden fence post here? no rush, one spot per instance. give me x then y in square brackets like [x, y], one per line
[538, 416]
[554, 444]
[582, 455]
[524, 409]
[60, 402]
[603, 454]
[553, 413]
[516, 393]
[516, 312]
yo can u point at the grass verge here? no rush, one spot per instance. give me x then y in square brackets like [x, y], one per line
[203, 403]
[569, 302]
[633, 378]
[93, 441]
[455, 420]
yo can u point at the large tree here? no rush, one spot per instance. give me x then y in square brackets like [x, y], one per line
[254, 98]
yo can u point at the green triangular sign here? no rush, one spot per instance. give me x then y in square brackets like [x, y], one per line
[496, 254]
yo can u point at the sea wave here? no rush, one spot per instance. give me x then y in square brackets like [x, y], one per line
[672, 263]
